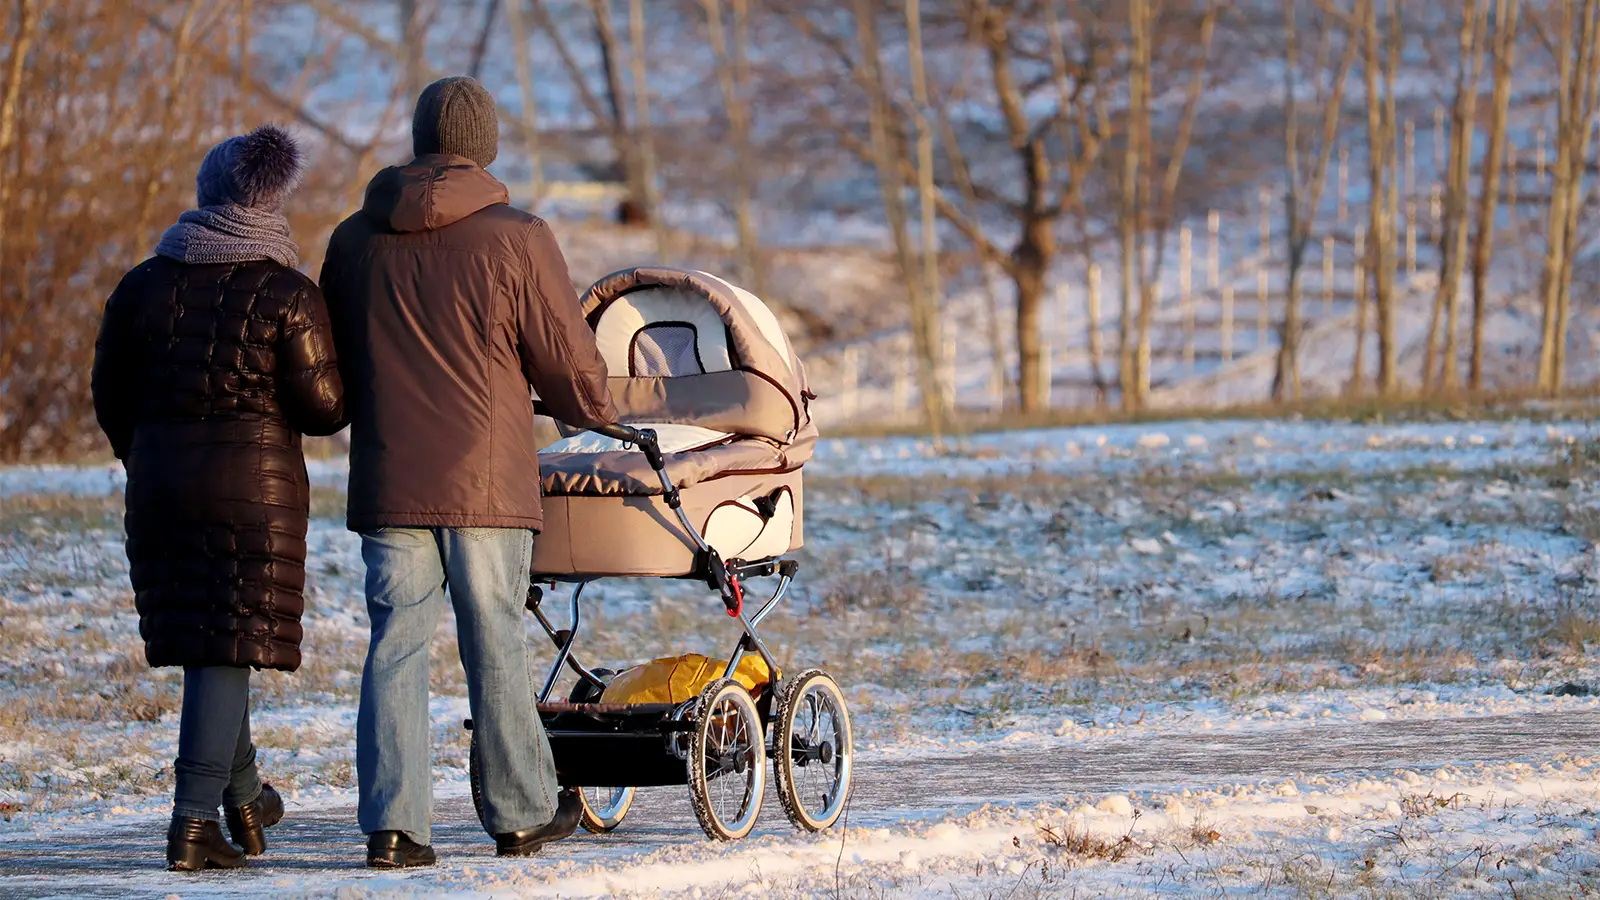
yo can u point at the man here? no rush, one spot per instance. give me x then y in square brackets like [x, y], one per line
[449, 305]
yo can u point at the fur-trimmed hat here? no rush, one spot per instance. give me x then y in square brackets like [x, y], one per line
[259, 170]
[456, 115]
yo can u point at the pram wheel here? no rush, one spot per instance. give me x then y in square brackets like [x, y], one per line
[812, 750]
[475, 779]
[727, 756]
[604, 808]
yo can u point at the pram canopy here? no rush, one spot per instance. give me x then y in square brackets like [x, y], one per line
[706, 365]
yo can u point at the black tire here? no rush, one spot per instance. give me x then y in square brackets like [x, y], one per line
[812, 800]
[727, 731]
[584, 692]
[475, 778]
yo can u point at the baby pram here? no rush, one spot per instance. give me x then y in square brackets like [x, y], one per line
[703, 483]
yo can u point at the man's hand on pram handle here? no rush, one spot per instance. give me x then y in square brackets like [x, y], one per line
[645, 438]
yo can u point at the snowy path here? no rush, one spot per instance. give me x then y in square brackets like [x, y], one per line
[317, 850]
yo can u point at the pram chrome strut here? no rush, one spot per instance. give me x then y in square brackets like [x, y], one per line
[718, 742]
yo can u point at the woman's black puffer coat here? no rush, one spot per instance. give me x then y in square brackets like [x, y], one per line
[205, 376]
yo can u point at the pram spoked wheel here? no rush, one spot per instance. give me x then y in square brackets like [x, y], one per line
[604, 808]
[812, 750]
[727, 760]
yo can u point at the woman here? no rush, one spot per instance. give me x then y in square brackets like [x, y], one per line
[213, 357]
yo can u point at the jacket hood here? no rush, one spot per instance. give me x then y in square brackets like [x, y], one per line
[431, 192]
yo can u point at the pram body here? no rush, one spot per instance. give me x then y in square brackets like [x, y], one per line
[706, 365]
[703, 481]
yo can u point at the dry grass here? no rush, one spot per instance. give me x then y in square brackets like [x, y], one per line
[1581, 402]
[954, 605]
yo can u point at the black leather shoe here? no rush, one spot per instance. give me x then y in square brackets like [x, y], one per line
[569, 809]
[247, 824]
[195, 844]
[396, 850]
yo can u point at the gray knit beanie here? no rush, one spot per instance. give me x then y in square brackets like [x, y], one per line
[456, 115]
[259, 170]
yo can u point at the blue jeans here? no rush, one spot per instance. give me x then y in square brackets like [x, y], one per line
[216, 758]
[485, 571]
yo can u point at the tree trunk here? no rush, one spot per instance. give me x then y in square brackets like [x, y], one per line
[1579, 60]
[1092, 331]
[1384, 202]
[1304, 193]
[1505, 42]
[1454, 223]
[413, 58]
[890, 185]
[730, 65]
[636, 209]
[10, 101]
[1130, 224]
[1155, 214]
[529, 121]
[1028, 266]
[1035, 248]
[480, 47]
[926, 318]
[1358, 366]
[1581, 135]
[645, 132]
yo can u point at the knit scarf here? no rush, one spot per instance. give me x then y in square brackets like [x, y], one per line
[227, 234]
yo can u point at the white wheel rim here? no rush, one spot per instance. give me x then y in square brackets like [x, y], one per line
[818, 717]
[732, 738]
[606, 805]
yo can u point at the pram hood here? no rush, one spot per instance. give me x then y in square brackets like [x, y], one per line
[688, 348]
[707, 366]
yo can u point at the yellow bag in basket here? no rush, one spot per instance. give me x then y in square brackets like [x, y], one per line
[675, 679]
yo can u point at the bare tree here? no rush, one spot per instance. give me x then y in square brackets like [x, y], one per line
[925, 317]
[1380, 60]
[885, 155]
[528, 122]
[645, 140]
[1130, 218]
[962, 175]
[1578, 62]
[1304, 193]
[414, 50]
[1454, 219]
[175, 85]
[27, 12]
[1504, 50]
[1152, 206]
[636, 208]
[21, 47]
[480, 47]
[732, 78]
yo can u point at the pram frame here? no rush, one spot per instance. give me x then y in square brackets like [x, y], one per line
[666, 743]
[724, 577]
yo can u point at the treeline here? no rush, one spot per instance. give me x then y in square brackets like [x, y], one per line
[991, 147]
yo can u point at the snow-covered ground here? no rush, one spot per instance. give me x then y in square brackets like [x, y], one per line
[1194, 658]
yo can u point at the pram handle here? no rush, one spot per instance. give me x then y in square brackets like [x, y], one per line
[645, 438]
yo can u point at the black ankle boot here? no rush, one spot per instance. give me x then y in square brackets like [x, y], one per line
[247, 824]
[569, 810]
[396, 850]
[195, 844]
